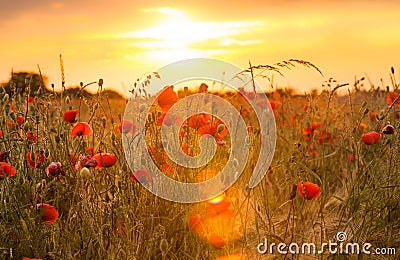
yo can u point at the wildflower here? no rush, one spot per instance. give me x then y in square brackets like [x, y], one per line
[126, 127]
[167, 98]
[219, 206]
[140, 176]
[308, 190]
[164, 119]
[55, 169]
[1, 134]
[391, 97]
[50, 214]
[28, 258]
[81, 129]
[7, 169]
[196, 223]
[70, 115]
[31, 136]
[370, 138]
[199, 120]
[35, 160]
[105, 159]
[350, 158]
[20, 120]
[217, 241]
[388, 130]
[90, 150]
[30, 99]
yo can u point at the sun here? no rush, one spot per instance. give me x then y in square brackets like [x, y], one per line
[178, 36]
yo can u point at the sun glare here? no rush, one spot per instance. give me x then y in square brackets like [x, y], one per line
[178, 36]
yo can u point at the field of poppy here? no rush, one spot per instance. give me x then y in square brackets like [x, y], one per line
[67, 191]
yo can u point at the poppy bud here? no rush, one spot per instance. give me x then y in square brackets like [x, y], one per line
[67, 99]
[388, 130]
[57, 138]
[46, 153]
[220, 128]
[366, 111]
[7, 109]
[370, 138]
[142, 108]
[392, 70]
[6, 97]
[85, 173]
[164, 246]
[100, 82]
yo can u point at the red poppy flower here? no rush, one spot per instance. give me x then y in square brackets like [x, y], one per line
[164, 119]
[30, 99]
[196, 223]
[7, 169]
[90, 150]
[370, 138]
[70, 116]
[28, 258]
[81, 129]
[50, 214]
[55, 169]
[140, 176]
[20, 120]
[309, 190]
[31, 136]
[391, 97]
[167, 98]
[350, 158]
[315, 125]
[198, 120]
[217, 241]
[35, 161]
[105, 159]
[218, 206]
[275, 105]
[127, 127]
[1, 134]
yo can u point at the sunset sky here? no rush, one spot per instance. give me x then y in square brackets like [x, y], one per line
[120, 41]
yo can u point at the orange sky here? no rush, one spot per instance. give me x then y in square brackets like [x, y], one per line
[120, 42]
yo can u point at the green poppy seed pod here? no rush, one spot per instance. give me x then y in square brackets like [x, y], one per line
[85, 173]
[220, 128]
[13, 116]
[37, 118]
[33, 156]
[124, 167]
[142, 108]
[112, 137]
[103, 122]
[235, 162]
[26, 127]
[381, 116]
[112, 120]
[163, 246]
[364, 104]
[366, 111]
[7, 109]
[46, 153]
[57, 138]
